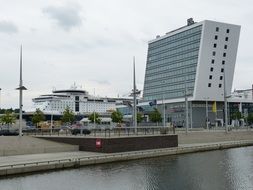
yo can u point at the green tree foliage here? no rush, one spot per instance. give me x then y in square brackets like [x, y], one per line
[68, 116]
[139, 117]
[95, 116]
[38, 116]
[250, 118]
[2, 111]
[237, 115]
[155, 116]
[117, 117]
[8, 118]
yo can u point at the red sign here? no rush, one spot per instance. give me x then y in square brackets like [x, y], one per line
[98, 143]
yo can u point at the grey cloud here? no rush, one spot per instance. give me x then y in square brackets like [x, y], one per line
[67, 17]
[8, 27]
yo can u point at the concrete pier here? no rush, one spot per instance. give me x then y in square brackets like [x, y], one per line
[10, 165]
[35, 162]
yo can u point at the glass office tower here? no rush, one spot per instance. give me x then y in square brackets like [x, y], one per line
[192, 60]
[171, 65]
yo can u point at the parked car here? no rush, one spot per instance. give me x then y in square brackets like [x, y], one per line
[6, 132]
[76, 131]
[29, 129]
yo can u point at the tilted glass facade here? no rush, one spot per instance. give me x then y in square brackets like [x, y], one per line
[171, 65]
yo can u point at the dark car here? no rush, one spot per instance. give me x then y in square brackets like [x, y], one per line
[6, 132]
[78, 131]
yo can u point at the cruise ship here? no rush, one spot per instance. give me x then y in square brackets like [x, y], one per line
[78, 100]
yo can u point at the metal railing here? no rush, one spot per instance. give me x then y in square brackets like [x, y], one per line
[103, 132]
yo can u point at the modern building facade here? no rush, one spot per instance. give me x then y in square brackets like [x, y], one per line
[194, 58]
[196, 61]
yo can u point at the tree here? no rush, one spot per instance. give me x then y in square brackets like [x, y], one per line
[38, 116]
[250, 118]
[96, 118]
[155, 116]
[117, 117]
[139, 117]
[68, 116]
[236, 116]
[8, 118]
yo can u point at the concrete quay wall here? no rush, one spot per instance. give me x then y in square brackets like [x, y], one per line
[74, 162]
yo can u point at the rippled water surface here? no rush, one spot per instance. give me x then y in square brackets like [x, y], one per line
[230, 169]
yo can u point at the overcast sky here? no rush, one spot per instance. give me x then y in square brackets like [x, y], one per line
[92, 42]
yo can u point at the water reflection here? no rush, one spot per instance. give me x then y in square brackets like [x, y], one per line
[226, 169]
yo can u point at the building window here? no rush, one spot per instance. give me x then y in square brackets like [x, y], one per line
[217, 29]
[220, 85]
[226, 39]
[212, 61]
[223, 62]
[211, 69]
[214, 53]
[224, 54]
[225, 46]
[227, 30]
[216, 37]
[221, 77]
[214, 45]
[222, 70]
[210, 77]
[209, 84]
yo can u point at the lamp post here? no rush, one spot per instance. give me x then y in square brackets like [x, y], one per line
[225, 102]
[207, 122]
[0, 97]
[94, 120]
[134, 95]
[164, 122]
[186, 109]
[20, 88]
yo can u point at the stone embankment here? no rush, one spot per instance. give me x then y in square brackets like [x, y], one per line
[59, 159]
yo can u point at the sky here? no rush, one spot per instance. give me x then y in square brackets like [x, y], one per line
[92, 43]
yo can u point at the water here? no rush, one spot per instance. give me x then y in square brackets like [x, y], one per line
[230, 169]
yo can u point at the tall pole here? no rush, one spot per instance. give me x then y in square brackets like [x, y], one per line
[164, 122]
[20, 88]
[94, 120]
[134, 95]
[207, 125]
[225, 103]
[0, 97]
[191, 114]
[186, 110]
[51, 129]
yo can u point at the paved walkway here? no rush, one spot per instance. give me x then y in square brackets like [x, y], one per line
[28, 158]
[15, 145]
[213, 136]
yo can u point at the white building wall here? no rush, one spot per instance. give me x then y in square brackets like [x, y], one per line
[201, 90]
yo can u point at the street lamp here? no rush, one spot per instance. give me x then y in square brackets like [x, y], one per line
[20, 88]
[225, 102]
[0, 97]
[94, 121]
[164, 122]
[135, 93]
[207, 122]
[186, 109]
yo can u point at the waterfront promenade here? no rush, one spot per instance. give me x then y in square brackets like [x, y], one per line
[192, 142]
